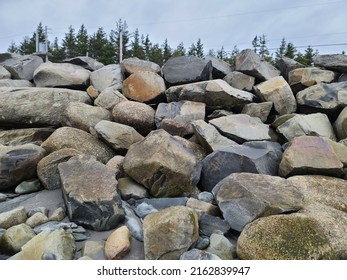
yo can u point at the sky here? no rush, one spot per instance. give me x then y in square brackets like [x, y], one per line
[216, 22]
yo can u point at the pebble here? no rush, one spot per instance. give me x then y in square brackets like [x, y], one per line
[29, 186]
[36, 220]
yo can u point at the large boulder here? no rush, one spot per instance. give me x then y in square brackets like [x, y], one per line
[118, 244]
[61, 75]
[69, 137]
[143, 86]
[279, 92]
[258, 110]
[248, 62]
[186, 69]
[109, 98]
[36, 107]
[335, 62]
[15, 83]
[165, 165]
[18, 163]
[216, 94]
[15, 137]
[286, 64]
[240, 81]
[340, 125]
[107, 76]
[310, 155]
[220, 68]
[170, 232]
[4, 74]
[86, 62]
[242, 128]
[133, 64]
[244, 197]
[90, 193]
[13, 217]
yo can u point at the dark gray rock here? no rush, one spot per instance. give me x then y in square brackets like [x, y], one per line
[196, 254]
[143, 209]
[85, 62]
[202, 243]
[29, 186]
[286, 64]
[220, 68]
[133, 222]
[219, 113]
[240, 81]
[342, 78]
[259, 110]
[15, 137]
[335, 62]
[209, 224]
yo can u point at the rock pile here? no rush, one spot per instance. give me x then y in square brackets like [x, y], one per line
[194, 160]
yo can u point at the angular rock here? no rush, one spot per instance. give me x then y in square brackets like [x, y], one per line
[58, 214]
[242, 128]
[258, 110]
[163, 244]
[133, 64]
[69, 137]
[340, 125]
[58, 244]
[107, 76]
[84, 116]
[92, 92]
[130, 189]
[196, 254]
[310, 155]
[240, 81]
[42, 210]
[78, 232]
[219, 113]
[47, 168]
[108, 98]
[118, 136]
[339, 149]
[182, 112]
[86, 62]
[248, 62]
[61, 75]
[209, 137]
[313, 124]
[221, 247]
[163, 203]
[98, 210]
[18, 163]
[135, 114]
[116, 164]
[218, 165]
[15, 237]
[216, 94]
[335, 62]
[13, 217]
[94, 250]
[342, 78]
[186, 69]
[202, 207]
[15, 137]
[220, 68]
[211, 224]
[22, 67]
[286, 64]
[279, 92]
[163, 164]
[4, 74]
[118, 244]
[133, 222]
[36, 220]
[144, 209]
[36, 107]
[29, 186]
[244, 197]
[15, 83]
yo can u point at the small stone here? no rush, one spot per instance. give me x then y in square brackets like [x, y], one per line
[131, 189]
[42, 210]
[13, 217]
[211, 224]
[202, 243]
[133, 222]
[206, 196]
[202, 207]
[29, 186]
[196, 254]
[58, 214]
[3, 197]
[260, 110]
[118, 244]
[36, 220]
[94, 250]
[144, 209]
[92, 92]
[221, 246]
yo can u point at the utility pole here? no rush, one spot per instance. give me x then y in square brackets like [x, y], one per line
[120, 46]
[37, 41]
[46, 43]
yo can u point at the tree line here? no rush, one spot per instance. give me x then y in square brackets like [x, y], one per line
[106, 47]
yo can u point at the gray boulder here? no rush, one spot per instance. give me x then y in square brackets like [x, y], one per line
[220, 68]
[15, 137]
[340, 125]
[196, 254]
[109, 98]
[86, 62]
[258, 110]
[240, 81]
[4, 74]
[286, 64]
[342, 78]
[15, 83]
[107, 76]
[335, 62]
[133, 64]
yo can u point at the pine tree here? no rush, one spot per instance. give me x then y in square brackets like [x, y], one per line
[221, 54]
[100, 47]
[255, 44]
[28, 45]
[82, 41]
[146, 43]
[232, 59]
[121, 28]
[13, 48]
[156, 54]
[211, 52]
[192, 50]
[199, 48]
[136, 47]
[281, 50]
[180, 50]
[290, 51]
[308, 57]
[56, 51]
[263, 50]
[69, 43]
[167, 51]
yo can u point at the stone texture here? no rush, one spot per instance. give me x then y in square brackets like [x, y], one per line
[36, 107]
[143, 86]
[163, 164]
[339, 149]
[310, 155]
[244, 197]
[86, 62]
[18, 163]
[109, 97]
[186, 69]
[286, 64]
[240, 81]
[61, 75]
[98, 210]
[209, 224]
[29, 186]
[94, 250]
[258, 110]
[132, 65]
[340, 125]
[196, 254]
[342, 78]
[118, 244]
[242, 128]
[92, 92]
[16, 137]
[279, 92]
[221, 247]
[216, 94]
[135, 114]
[47, 168]
[58, 214]
[130, 189]
[107, 76]
[220, 68]
[118, 136]
[13, 217]
[335, 62]
[163, 244]
[15, 83]
[68, 137]
[248, 62]
[36, 220]
[84, 116]
[202, 207]
[4, 74]
[116, 164]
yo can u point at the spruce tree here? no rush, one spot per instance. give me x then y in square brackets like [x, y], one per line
[56, 51]
[13, 48]
[28, 45]
[82, 41]
[192, 50]
[136, 47]
[290, 51]
[156, 54]
[255, 44]
[146, 43]
[281, 50]
[121, 28]
[167, 51]
[69, 43]
[199, 48]
[180, 50]
[100, 48]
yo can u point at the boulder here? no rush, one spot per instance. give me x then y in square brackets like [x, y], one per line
[279, 92]
[310, 155]
[69, 137]
[78, 232]
[240, 81]
[95, 208]
[165, 165]
[118, 243]
[244, 197]
[163, 244]
[18, 163]
[86, 62]
[109, 97]
[129, 189]
[13, 217]
[58, 215]
[248, 62]
[220, 68]
[335, 62]
[242, 128]
[4, 74]
[61, 75]
[186, 69]
[340, 125]
[221, 247]
[94, 250]
[258, 110]
[286, 64]
[219, 113]
[313, 124]
[183, 113]
[36, 220]
[15, 83]
[36, 107]
[47, 168]
[209, 137]
[16, 137]
[116, 164]
[118, 136]
[202, 207]
[135, 114]
[342, 78]
[133, 64]
[32, 185]
[144, 86]
[196, 254]
[22, 67]
[339, 149]
[218, 165]
[209, 224]
[107, 76]
[84, 116]
[216, 94]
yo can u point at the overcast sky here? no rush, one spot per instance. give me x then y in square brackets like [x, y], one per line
[218, 22]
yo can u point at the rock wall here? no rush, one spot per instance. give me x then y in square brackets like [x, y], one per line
[194, 160]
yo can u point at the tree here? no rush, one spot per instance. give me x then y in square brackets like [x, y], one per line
[56, 51]
[221, 54]
[28, 45]
[308, 57]
[167, 51]
[281, 50]
[255, 44]
[180, 50]
[263, 50]
[211, 52]
[192, 50]
[69, 43]
[290, 51]
[82, 41]
[13, 48]
[100, 47]
[156, 54]
[146, 43]
[136, 47]
[121, 28]
[232, 59]
[199, 48]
